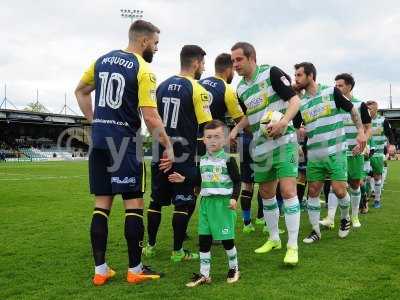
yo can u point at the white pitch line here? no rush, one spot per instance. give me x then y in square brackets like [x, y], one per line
[12, 174]
[22, 174]
[41, 178]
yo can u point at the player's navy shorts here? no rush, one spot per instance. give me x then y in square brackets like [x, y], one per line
[105, 178]
[246, 170]
[164, 192]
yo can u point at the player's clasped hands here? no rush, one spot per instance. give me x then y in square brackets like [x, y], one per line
[167, 160]
[361, 142]
[232, 136]
[176, 178]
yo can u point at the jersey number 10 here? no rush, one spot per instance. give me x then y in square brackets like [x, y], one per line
[175, 111]
[107, 90]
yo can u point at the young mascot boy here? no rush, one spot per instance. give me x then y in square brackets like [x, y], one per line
[220, 188]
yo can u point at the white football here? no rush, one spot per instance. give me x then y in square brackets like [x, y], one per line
[366, 150]
[270, 117]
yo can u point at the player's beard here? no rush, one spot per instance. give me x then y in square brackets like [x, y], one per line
[230, 78]
[148, 54]
[303, 86]
[197, 74]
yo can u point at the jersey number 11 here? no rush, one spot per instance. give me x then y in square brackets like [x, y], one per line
[175, 111]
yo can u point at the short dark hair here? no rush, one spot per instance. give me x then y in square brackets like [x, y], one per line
[348, 79]
[189, 53]
[223, 62]
[248, 49]
[308, 69]
[214, 124]
[142, 27]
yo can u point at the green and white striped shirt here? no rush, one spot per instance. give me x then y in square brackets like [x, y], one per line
[350, 128]
[378, 138]
[215, 179]
[323, 123]
[259, 97]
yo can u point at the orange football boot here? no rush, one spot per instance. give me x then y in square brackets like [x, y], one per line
[100, 279]
[145, 275]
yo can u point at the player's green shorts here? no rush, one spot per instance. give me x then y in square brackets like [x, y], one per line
[355, 167]
[376, 164]
[216, 218]
[333, 167]
[279, 165]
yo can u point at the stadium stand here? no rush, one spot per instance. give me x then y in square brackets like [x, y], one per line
[31, 136]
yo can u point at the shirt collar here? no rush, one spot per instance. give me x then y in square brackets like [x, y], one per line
[307, 95]
[220, 78]
[254, 77]
[218, 154]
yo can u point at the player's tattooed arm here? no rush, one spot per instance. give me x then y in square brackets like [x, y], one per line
[343, 103]
[367, 130]
[355, 116]
[361, 138]
[366, 120]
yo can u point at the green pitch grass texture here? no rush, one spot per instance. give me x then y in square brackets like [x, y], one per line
[45, 250]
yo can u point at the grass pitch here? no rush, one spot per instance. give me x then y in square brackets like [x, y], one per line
[45, 251]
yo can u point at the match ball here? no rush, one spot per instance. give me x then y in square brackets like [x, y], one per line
[270, 117]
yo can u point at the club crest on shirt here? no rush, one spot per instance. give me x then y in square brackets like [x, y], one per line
[216, 174]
